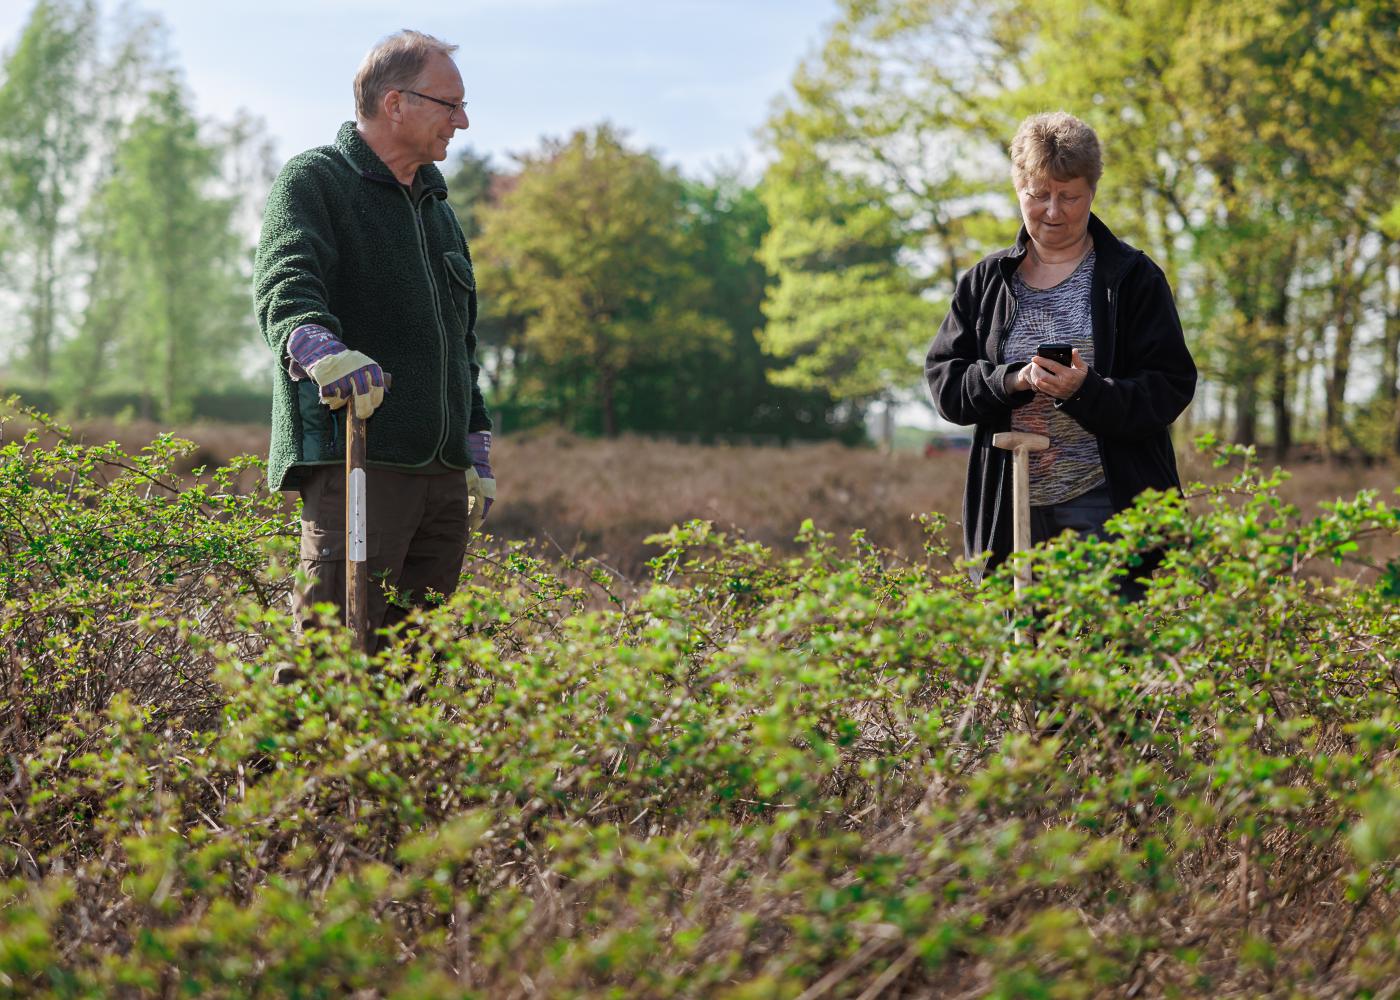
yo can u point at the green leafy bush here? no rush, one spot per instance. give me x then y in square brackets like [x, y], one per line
[832, 774]
[116, 574]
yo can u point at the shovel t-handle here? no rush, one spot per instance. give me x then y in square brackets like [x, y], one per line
[1021, 444]
[357, 527]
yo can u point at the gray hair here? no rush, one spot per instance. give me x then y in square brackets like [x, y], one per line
[1058, 145]
[394, 63]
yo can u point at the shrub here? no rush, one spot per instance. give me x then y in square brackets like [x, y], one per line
[116, 573]
[754, 776]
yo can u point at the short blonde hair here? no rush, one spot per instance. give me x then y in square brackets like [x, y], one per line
[1058, 145]
[394, 63]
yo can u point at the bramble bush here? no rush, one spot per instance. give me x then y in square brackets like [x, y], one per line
[832, 774]
[116, 573]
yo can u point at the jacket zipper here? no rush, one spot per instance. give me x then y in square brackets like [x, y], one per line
[1001, 360]
[437, 319]
[1010, 322]
[1112, 320]
[1006, 327]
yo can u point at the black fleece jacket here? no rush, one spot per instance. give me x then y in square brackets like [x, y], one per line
[1141, 380]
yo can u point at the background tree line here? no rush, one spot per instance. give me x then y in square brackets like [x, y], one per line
[621, 296]
[618, 296]
[1251, 148]
[123, 257]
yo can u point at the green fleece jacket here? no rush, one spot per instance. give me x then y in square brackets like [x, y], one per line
[387, 270]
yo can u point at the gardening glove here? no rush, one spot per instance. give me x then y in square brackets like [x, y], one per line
[341, 373]
[479, 447]
[477, 502]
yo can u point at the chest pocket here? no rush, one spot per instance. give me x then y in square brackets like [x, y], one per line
[461, 283]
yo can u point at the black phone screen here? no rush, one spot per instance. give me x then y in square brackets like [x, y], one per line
[1062, 353]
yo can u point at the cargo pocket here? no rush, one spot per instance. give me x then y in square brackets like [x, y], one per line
[320, 437]
[461, 280]
[322, 562]
[322, 555]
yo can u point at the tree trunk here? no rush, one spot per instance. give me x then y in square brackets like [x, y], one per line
[1279, 401]
[1390, 356]
[1343, 322]
[50, 307]
[887, 427]
[1222, 412]
[607, 390]
[41, 333]
[1247, 410]
[1280, 353]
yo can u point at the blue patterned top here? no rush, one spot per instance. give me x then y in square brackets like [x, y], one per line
[1071, 465]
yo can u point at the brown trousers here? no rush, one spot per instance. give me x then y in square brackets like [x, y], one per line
[416, 541]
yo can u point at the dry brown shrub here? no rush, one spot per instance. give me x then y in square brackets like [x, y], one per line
[605, 497]
[602, 498]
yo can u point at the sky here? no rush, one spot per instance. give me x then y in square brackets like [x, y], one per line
[691, 79]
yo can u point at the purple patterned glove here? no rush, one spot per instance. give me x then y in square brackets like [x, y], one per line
[479, 447]
[307, 345]
[312, 343]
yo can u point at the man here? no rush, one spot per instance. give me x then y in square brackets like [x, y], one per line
[364, 288]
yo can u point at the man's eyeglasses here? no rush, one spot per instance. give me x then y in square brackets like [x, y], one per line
[458, 106]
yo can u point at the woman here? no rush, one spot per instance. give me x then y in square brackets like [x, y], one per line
[1068, 279]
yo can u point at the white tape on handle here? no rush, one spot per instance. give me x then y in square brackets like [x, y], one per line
[356, 500]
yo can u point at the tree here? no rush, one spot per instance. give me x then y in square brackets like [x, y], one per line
[720, 387]
[1250, 147]
[47, 79]
[474, 185]
[469, 187]
[708, 387]
[726, 390]
[168, 311]
[1272, 125]
[845, 314]
[595, 241]
[879, 196]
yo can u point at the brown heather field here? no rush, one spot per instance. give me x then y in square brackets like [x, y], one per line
[603, 498]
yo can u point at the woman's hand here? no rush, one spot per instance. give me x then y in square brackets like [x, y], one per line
[1053, 378]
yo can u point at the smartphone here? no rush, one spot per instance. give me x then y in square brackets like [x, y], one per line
[1062, 353]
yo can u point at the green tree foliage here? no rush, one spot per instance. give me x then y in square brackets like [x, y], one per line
[877, 203]
[620, 296]
[1262, 140]
[1250, 147]
[728, 388]
[127, 218]
[908, 98]
[469, 188]
[168, 314]
[473, 185]
[845, 313]
[748, 776]
[47, 80]
[600, 260]
[713, 385]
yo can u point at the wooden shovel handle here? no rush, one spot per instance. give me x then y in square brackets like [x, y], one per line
[1021, 445]
[356, 532]
[357, 527]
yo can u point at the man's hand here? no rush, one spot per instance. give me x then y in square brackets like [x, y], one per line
[1052, 378]
[341, 373]
[481, 481]
[480, 494]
